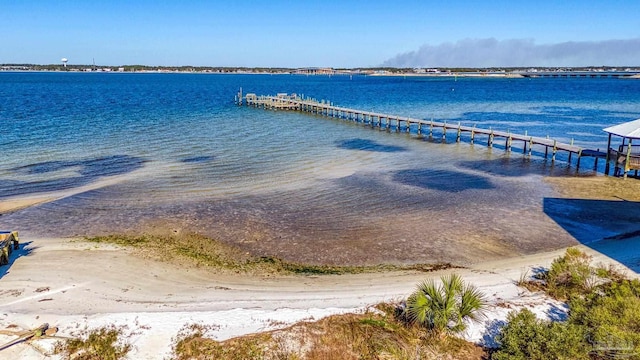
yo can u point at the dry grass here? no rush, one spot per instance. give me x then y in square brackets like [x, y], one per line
[569, 275]
[209, 253]
[105, 343]
[191, 343]
[372, 335]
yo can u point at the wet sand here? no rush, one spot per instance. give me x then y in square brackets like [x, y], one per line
[11, 205]
[481, 211]
[394, 222]
[75, 285]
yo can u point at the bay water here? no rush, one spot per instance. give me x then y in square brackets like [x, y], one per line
[119, 152]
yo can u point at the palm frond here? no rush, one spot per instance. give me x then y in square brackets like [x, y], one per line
[443, 306]
[472, 303]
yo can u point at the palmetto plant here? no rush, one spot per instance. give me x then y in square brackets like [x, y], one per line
[444, 307]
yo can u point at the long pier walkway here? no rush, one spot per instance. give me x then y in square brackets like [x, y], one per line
[294, 102]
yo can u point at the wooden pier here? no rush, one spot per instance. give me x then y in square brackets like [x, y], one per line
[420, 127]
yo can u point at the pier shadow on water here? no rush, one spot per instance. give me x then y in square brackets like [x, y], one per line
[608, 226]
[518, 165]
[198, 159]
[85, 171]
[443, 180]
[368, 145]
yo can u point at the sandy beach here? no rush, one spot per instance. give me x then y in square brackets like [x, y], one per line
[75, 285]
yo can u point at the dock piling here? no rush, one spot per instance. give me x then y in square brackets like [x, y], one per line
[490, 141]
[473, 133]
[444, 131]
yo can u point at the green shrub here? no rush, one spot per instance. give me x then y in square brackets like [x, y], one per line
[525, 337]
[612, 316]
[570, 275]
[603, 322]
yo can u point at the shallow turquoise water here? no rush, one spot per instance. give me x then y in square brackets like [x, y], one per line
[172, 150]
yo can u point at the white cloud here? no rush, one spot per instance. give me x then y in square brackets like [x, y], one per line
[521, 52]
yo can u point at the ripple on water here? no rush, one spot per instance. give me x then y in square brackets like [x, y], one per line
[177, 153]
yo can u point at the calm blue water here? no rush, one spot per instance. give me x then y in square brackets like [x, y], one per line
[124, 152]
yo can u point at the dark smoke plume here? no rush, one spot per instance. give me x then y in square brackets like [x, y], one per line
[521, 53]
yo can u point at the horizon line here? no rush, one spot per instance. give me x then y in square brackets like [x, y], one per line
[314, 67]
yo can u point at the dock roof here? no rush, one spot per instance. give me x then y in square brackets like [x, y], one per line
[629, 130]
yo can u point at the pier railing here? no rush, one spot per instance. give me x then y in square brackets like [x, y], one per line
[422, 127]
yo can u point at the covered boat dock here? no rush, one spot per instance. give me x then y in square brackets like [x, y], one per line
[627, 156]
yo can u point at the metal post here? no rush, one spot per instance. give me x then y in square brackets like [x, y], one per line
[606, 166]
[626, 163]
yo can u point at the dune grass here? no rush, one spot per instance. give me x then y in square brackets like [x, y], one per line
[106, 343]
[375, 334]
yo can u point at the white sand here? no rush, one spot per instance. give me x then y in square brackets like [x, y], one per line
[75, 285]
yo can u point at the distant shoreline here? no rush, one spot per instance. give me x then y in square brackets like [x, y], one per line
[461, 74]
[602, 71]
[485, 75]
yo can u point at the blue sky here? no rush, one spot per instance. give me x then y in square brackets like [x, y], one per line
[278, 33]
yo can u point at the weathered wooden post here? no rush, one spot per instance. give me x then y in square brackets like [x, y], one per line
[580, 157]
[490, 141]
[473, 133]
[444, 131]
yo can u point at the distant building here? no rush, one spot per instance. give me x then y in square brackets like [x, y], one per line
[315, 71]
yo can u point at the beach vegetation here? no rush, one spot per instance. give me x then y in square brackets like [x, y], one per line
[603, 321]
[375, 334]
[611, 317]
[525, 337]
[105, 343]
[204, 252]
[446, 306]
[191, 343]
[569, 276]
